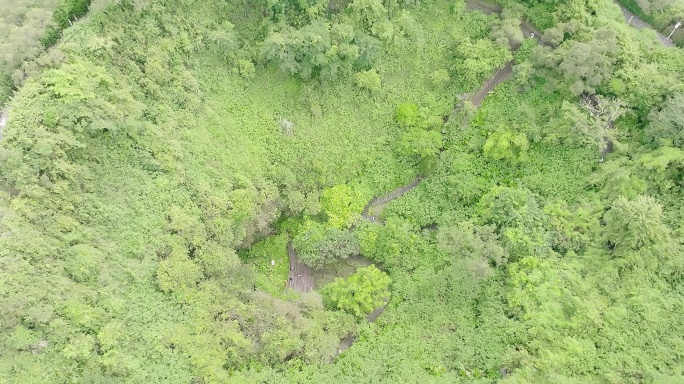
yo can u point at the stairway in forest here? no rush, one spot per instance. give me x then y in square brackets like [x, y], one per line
[502, 74]
[388, 197]
[300, 278]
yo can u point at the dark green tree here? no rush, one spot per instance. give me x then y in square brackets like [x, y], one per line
[318, 50]
[318, 246]
[666, 125]
[583, 66]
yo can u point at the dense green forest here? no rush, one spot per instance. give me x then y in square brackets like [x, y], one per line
[511, 198]
[27, 28]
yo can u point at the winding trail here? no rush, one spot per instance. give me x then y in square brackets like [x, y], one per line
[386, 198]
[301, 278]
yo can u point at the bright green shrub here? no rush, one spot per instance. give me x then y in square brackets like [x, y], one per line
[369, 80]
[341, 204]
[359, 294]
[505, 144]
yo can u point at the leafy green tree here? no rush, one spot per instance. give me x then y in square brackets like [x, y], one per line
[83, 263]
[217, 261]
[469, 241]
[224, 40]
[652, 6]
[341, 204]
[592, 126]
[306, 243]
[666, 125]
[68, 9]
[634, 224]
[562, 31]
[112, 335]
[572, 228]
[370, 49]
[520, 220]
[504, 144]
[246, 68]
[663, 167]
[360, 293]
[80, 348]
[368, 12]
[581, 66]
[420, 138]
[318, 246]
[6, 85]
[337, 245]
[507, 32]
[177, 272]
[639, 240]
[474, 61]
[410, 115]
[293, 12]
[642, 85]
[318, 50]
[421, 143]
[395, 245]
[619, 177]
[440, 78]
[21, 27]
[407, 115]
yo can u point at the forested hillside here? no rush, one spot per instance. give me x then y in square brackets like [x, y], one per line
[498, 185]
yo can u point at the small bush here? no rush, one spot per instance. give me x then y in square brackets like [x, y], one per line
[369, 80]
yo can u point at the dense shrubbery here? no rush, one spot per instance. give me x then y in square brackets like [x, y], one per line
[26, 29]
[154, 172]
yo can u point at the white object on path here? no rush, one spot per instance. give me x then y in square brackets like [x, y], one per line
[3, 119]
[679, 24]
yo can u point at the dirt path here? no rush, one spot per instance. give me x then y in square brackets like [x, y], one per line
[637, 23]
[502, 74]
[302, 281]
[383, 199]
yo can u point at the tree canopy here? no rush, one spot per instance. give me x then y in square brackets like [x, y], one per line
[169, 169]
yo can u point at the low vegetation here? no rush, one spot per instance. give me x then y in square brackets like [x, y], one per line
[160, 156]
